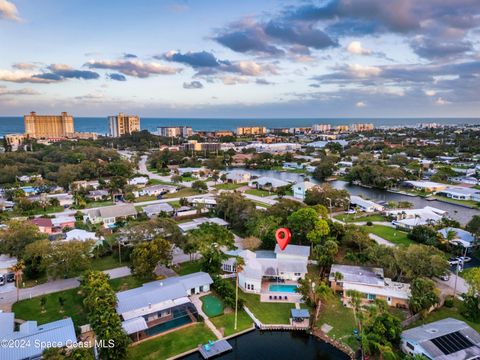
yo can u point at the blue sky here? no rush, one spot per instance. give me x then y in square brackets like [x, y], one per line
[336, 58]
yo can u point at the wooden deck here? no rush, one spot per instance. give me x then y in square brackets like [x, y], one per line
[218, 347]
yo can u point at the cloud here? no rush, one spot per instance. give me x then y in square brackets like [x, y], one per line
[178, 8]
[360, 104]
[116, 77]
[135, 68]
[24, 66]
[194, 59]
[430, 92]
[8, 11]
[234, 80]
[21, 76]
[5, 91]
[441, 101]
[355, 47]
[263, 82]
[63, 71]
[129, 56]
[436, 48]
[193, 85]
[363, 71]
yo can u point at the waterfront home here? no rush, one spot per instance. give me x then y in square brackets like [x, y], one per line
[409, 218]
[462, 237]
[32, 338]
[467, 180]
[195, 223]
[293, 166]
[460, 193]
[446, 339]
[370, 282]
[423, 185]
[157, 209]
[161, 305]
[155, 190]
[267, 183]
[238, 176]
[300, 189]
[139, 180]
[109, 215]
[365, 205]
[272, 274]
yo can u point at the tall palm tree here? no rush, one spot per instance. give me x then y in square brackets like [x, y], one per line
[17, 269]
[240, 263]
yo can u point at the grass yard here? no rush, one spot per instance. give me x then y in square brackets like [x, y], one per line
[341, 318]
[444, 312]
[188, 267]
[359, 217]
[95, 204]
[145, 198]
[188, 178]
[106, 263]
[229, 186]
[469, 203]
[226, 321]
[171, 344]
[159, 182]
[259, 192]
[267, 313]
[181, 193]
[175, 204]
[211, 305]
[391, 234]
[125, 283]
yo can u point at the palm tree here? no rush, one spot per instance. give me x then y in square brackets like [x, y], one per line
[17, 269]
[240, 263]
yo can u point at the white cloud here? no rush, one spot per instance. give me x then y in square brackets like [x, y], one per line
[363, 71]
[21, 76]
[9, 11]
[5, 91]
[360, 104]
[134, 68]
[24, 66]
[233, 80]
[355, 47]
[441, 101]
[430, 92]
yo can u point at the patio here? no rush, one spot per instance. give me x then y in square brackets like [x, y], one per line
[279, 291]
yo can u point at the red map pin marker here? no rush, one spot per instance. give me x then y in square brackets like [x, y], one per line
[283, 237]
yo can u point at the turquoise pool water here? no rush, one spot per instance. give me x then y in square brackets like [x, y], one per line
[168, 325]
[283, 288]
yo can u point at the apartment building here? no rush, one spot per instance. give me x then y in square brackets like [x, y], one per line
[121, 124]
[361, 127]
[48, 126]
[251, 130]
[321, 127]
[175, 131]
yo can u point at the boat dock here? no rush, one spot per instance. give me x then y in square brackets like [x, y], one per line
[214, 348]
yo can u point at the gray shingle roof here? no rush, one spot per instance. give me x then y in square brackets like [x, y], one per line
[296, 250]
[358, 274]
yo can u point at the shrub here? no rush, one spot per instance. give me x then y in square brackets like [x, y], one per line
[369, 223]
[448, 302]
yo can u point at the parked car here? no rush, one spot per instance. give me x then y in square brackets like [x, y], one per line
[445, 277]
[351, 211]
[10, 277]
[453, 261]
[2, 280]
[464, 259]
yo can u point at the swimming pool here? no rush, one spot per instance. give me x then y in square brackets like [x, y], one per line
[282, 288]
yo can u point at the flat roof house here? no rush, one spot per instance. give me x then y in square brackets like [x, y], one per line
[446, 339]
[301, 188]
[195, 223]
[409, 218]
[462, 237]
[238, 176]
[370, 282]
[156, 209]
[428, 186]
[161, 305]
[34, 338]
[365, 205]
[109, 215]
[155, 190]
[460, 193]
[268, 183]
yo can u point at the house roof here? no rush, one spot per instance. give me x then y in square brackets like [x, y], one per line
[294, 250]
[358, 274]
[43, 222]
[114, 211]
[62, 220]
[80, 234]
[262, 181]
[158, 208]
[461, 234]
[195, 223]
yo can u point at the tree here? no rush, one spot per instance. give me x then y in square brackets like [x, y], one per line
[67, 259]
[251, 243]
[199, 185]
[264, 228]
[424, 234]
[424, 295]
[474, 225]
[327, 195]
[420, 261]
[471, 300]
[16, 236]
[283, 208]
[147, 255]
[177, 179]
[239, 265]
[17, 269]
[305, 224]
[324, 170]
[100, 303]
[356, 238]
[237, 210]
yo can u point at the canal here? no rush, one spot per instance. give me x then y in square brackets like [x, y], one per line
[278, 345]
[459, 213]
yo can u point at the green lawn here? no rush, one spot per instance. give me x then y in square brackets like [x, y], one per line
[145, 198]
[106, 263]
[229, 186]
[188, 178]
[470, 203]
[31, 309]
[267, 313]
[188, 267]
[181, 193]
[175, 204]
[95, 204]
[211, 305]
[259, 192]
[444, 312]
[359, 217]
[159, 182]
[171, 344]
[388, 233]
[226, 321]
[341, 318]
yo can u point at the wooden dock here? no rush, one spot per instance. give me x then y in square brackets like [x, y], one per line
[216, 348]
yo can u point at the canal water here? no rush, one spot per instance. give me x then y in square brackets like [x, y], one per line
[277, 345]
[459, 213]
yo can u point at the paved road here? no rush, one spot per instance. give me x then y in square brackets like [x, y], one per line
[380, 240]
[142, 169]
[7, 299]
[265, 200]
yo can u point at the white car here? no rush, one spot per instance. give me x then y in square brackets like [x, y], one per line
[351, 211]
[464, 259]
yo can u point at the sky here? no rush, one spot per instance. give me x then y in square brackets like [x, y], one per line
[241, 59]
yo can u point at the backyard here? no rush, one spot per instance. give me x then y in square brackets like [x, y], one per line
[172, 343]
[181, 193]
[259, 192]
[188, 267]
[361, 217]
[388, 233]
[211, 305]
[229, 186]
[226, 322]
[267, 313]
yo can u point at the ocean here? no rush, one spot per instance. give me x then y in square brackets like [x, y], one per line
[99, 125]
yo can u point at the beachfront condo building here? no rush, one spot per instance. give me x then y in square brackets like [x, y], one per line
[175, 131]
[121, 124]
[48, 126]
[361, 127]
[321, 128]
[251, 130]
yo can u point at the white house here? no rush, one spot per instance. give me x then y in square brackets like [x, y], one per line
[446, 339]
[409, 218]
[146, 309]
[265, 182]
[238, 176]
[365, 205]
[428, 186]
[460, 193]
[81, 235]
[156, 209]
[195, 223]
[300, 189]
[139, 180]
[154, 190]
[109, 215]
